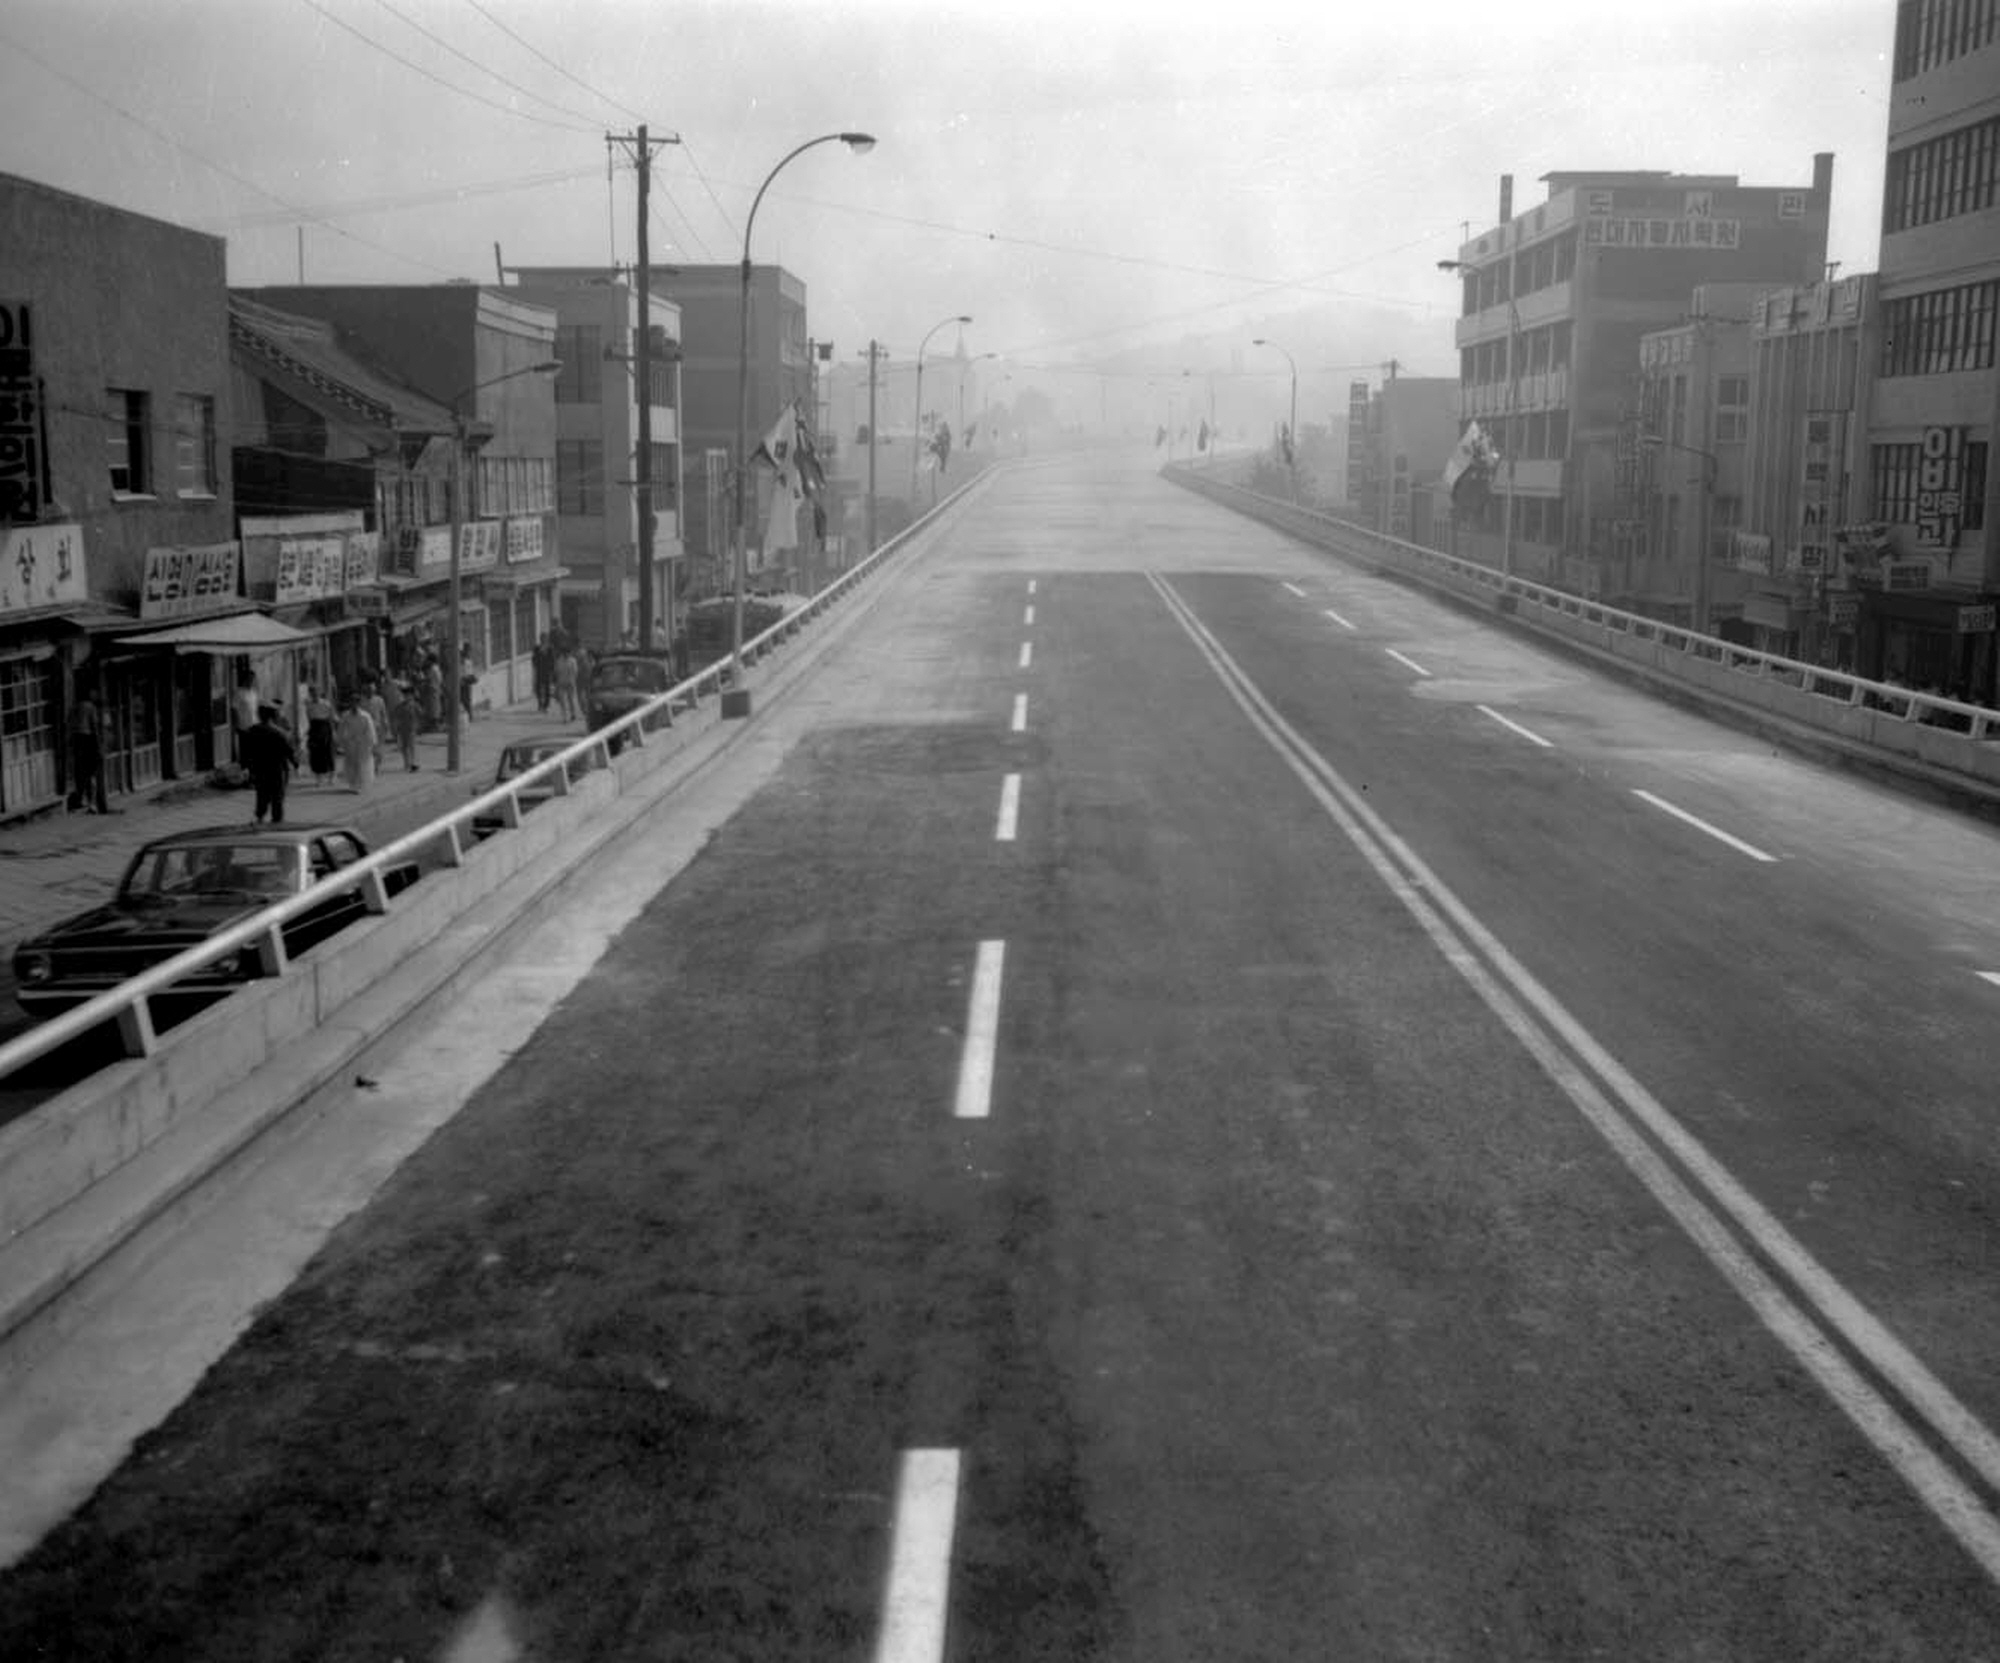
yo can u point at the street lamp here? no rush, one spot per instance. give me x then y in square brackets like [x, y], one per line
[454, 634]
[1292, 428]
[1709, 465]
[917, 421]
[1507, 454]
[860, 144]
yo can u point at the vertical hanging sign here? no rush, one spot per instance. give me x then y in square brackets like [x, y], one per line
[21, 460]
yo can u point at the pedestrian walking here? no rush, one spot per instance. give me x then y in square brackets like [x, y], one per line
[269, 759]
[404, 719]
[243, 707]
[86, 754]
[566, 683]
[319, 736]
[468, 686]
[356, 737]
[378, 713]
[430, 695]
[544, 660]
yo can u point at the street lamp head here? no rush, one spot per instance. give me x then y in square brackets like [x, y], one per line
[859, 143]
[964, 317]
[548, 366]
[1451, 265]
[1260, 341]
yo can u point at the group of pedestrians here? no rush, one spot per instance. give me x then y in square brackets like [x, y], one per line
[562, 672]
[344, 735]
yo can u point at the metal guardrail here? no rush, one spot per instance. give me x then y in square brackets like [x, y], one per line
[129, 1004]
[1841, 686]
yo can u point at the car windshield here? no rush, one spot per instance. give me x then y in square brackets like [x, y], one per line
[627, 672]
[518, 759]
[191, 871]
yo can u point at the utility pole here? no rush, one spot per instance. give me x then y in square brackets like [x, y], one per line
[642, 148]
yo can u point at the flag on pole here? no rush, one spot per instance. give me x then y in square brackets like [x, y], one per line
[779, 448]
[776, 446]
[1471, 465]
[812, 476]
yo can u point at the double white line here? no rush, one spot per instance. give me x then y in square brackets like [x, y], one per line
[1809, 1313]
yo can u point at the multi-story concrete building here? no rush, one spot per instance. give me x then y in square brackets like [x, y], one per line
[1813, 349]
[475, 349]
[1555, 300]
[115, 513]
[597, 446]
[1680, 467]
[711, 309]
[1407, 430]
[327, 450]
[1929, 578]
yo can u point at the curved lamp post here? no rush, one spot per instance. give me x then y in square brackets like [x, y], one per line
[917, 421]
[1292, 427]
[860, 144]
[454, 635]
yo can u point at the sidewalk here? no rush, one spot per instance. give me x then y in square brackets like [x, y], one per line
[63, 862]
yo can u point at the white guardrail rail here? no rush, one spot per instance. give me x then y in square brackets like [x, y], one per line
[449, 835]
[1888, 703]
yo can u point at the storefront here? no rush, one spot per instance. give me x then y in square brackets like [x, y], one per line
[305, 567]
[1938, 642]
[213, 652]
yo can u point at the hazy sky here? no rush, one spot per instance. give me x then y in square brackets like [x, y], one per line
[1081, 178]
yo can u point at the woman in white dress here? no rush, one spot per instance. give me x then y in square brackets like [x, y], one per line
[357, 737]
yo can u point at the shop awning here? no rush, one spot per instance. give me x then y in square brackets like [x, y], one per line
[524, 576]
[242, 632]
[87, 616]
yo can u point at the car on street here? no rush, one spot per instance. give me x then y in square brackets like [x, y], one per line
[180, 890]
[620, 683]
[520, 756]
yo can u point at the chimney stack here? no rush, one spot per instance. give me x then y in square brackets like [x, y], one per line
[1507, 196]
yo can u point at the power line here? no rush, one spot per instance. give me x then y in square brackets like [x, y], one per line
[544, 58]
[727, 224]
[439, 80]
[292, 210]
[327, 212]
[463, 57]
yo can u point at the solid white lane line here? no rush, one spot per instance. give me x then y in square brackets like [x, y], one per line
[1700, 824]
[1401, 658]
[1337, 618]
[1512, 993]
[1027, 653]
[1295, 589]
[1028, 617]
[982, 1034]
[1508, 722]
[1010, 809]
[918, 1597]
[1020, 722]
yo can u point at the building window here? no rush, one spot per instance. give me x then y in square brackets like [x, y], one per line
[1940, 332]
[1732, 409]
[1972, 512]
[580, 346]
[579, 476]
[1933, 32]
[194, 445]
[1955, 173]
[125, 438]
[1893, 476]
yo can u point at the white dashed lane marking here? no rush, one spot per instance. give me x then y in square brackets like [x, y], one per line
[1027, 653]
[1028, 617]
[1010, 809]
[1295, 589]
[982, 1035]
[1337, 618]
[918, 1599]
[1528, 734]
[1702, 825]
[1406, 660]
[1020, 722]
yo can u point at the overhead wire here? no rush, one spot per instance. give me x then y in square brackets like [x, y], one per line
[439, 80]
[484, 69]
[160, 133]
[535, 52]
[329, 211]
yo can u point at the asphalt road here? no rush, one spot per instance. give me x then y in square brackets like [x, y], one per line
[1427, 1199]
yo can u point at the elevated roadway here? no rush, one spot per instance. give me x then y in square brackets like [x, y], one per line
[1178, 1099]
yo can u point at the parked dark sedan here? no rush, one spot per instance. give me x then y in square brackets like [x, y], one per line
[179, 891]
[517, 759]
[621, 682]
